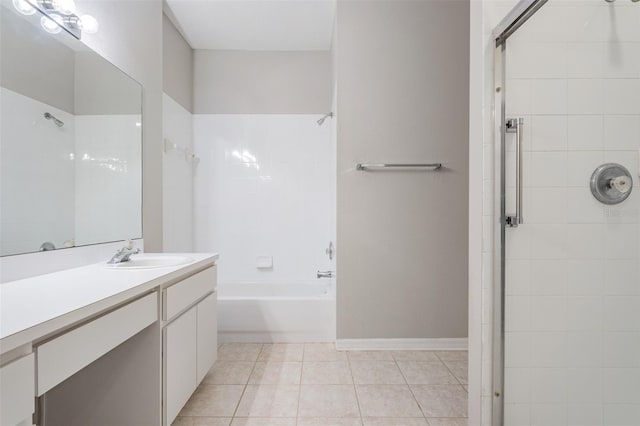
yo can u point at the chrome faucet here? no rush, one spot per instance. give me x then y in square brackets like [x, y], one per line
[124, 254]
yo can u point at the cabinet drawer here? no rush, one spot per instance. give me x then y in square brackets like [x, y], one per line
[17, 391]
[180, 296]
[64, 356]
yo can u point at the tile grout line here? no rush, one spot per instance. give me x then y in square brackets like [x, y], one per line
[355, 390]
[244, 390]
[409, 386]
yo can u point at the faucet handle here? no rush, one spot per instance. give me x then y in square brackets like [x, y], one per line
[128, 244]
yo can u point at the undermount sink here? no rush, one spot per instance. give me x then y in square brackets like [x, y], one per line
[146, 261]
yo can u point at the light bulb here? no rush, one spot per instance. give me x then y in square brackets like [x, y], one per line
[66, 7]
[88, 24]
[51, 24]
[24, 7]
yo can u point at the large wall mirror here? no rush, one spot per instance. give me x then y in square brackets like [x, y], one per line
[70, 142]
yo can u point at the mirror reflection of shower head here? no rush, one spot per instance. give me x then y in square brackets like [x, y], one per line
[51, 117]
[324, 118]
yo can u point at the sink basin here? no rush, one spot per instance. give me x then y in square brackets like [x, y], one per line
[146, 261]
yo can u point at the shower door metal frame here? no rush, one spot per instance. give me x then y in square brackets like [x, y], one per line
[524, 10]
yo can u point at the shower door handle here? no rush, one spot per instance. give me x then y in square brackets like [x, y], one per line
[514, 125]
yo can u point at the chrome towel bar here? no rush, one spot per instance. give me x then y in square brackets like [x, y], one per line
[374, 166]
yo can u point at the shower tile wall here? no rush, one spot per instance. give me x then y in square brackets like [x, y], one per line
[177, 178]
[572, 274]
[265, 187]
[44, 166]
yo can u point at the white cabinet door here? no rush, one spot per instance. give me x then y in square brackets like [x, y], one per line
[17, 391]
[180, 340]
[207, 335]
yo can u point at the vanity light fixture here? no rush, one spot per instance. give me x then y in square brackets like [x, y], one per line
[58, 14]
[51, 24]
[24, 7]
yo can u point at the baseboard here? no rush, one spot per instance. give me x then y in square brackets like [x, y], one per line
[274, 337]
[455, 344]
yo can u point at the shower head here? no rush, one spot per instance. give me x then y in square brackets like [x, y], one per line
[49, 116]
[324, 118]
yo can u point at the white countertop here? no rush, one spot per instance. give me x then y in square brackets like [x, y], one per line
[34, 307]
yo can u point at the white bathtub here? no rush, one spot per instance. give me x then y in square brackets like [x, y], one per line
[257, 312]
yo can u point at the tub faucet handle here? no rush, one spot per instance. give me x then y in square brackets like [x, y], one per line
[324, 274]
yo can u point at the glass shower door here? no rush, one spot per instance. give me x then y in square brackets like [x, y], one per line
[570, 287]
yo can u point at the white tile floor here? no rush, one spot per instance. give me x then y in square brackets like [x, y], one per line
[313, 384]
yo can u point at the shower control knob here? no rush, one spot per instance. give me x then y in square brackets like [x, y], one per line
[621, 183]
[611, 183]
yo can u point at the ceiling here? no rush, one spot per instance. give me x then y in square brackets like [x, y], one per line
[255, 24]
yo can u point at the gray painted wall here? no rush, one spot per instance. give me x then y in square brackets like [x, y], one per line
[115, 93]
[177, 61]
[130, 36]
[248, 82]
[402, 236]
[25, 48]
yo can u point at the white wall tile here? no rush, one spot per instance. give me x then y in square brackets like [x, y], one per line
[548, 169]
[549, 349]
[581, 165]
[621, 96]
[621, 132]
[584, 313]
[517, 349]
[622, 60]
[583, 207]
[585, 241]
[621, 385]
[621, 313]
[517, 414]
[548, 313]
[548, 386]
[549, 96]
[585, 132]
[518, 383]
[584, 60]
[585, 277]
[622, 349]
[585, 414]
[584, 385]
[585, 96]
[545, 205]
[537, 60]
[548, 277]
[584, 349]
[622, 277]
[548, 241]
[549, 132]
[517, 313]
[621, 414]
[518, 277]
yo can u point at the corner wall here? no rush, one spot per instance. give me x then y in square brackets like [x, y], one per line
[402, 236]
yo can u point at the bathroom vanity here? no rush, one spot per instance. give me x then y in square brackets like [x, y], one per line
[107, 345]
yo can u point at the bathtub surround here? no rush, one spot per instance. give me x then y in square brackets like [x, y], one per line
[402, 71]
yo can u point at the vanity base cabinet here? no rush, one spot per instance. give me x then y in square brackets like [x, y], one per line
[180, 355]
[190, 342]
[207, 335]
[17, 390]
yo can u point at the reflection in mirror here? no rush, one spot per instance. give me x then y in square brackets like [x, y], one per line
[70, 142]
